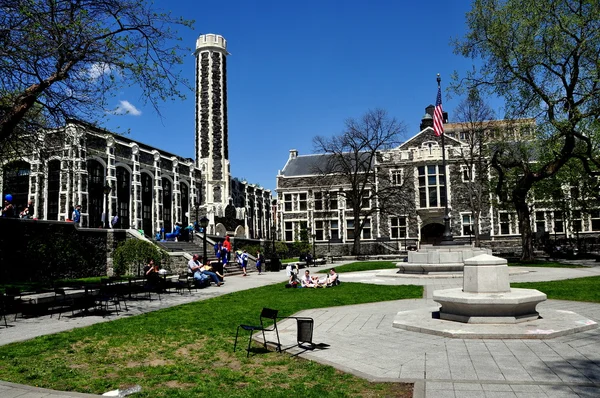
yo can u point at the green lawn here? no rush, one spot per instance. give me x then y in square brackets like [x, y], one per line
[580, 289]
[186, 351]
[363, 266]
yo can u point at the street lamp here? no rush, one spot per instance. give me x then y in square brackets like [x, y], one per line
[314, 236]
[204, 223]
[107, 189]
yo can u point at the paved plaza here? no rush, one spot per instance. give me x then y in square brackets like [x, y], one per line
[362, 341]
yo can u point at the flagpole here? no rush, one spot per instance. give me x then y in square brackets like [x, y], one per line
[447, 238]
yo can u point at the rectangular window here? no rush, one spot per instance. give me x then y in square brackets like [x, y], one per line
[504, 224]
[350, 229]
[289, 231]
[595, 216]
[396, 177]
[319, 230]
[318, 200]
[366, 231]
[577, 221]
[431, 186]
[540, 221]
[302, 201]
[467, 224]
[398, 227]
[468, 174]
[335, 229]
[287, 202]
[558, 222]
[366, 200]
[333, 201]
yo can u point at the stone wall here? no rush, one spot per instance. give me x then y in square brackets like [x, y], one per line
[32, 250]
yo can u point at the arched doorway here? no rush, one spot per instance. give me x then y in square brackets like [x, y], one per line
[16, 183]
[96, 193]
[147, 205]
[432, 233]
[123, 197]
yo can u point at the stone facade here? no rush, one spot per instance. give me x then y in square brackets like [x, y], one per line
[416, 165]
[147, 188]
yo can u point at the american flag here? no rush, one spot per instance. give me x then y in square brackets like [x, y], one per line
[438, 115]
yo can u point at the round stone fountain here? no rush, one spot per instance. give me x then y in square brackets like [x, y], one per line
[486, 296]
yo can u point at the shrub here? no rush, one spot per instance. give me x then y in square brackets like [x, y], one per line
[131, 256]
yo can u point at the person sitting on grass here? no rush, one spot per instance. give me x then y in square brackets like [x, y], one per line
[310, 281]
[332, 278]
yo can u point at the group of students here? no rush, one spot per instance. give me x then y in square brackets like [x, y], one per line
[241, 257]
[308, 280]
[8, 209]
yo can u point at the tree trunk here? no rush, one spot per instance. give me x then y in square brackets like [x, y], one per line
[524, 217]
[356, 246]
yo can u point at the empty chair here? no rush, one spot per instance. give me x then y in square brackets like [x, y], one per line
[106, 297]
[61, 302]
[12, 301]
[3, 308]
[267, 314]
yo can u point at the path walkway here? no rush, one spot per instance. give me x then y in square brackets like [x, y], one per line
[362, 341]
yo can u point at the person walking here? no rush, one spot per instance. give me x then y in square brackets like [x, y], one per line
[244, 262]
[260, 260]
[226, 250]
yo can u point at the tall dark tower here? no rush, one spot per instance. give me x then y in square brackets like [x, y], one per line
[212, 154]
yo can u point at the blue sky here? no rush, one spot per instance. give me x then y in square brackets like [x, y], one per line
[298, 69]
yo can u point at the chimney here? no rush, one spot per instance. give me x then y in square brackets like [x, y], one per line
[293, 153]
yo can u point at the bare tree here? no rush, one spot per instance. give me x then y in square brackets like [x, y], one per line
[477, 120]
[62, 59]
[351, 164]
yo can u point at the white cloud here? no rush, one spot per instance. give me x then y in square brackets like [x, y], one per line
[98, 69]
[126, 108]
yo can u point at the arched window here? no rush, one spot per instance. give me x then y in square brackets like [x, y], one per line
[53, 189]
[16, 183]
[96, 193]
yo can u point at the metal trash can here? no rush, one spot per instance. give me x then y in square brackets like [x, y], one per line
[305, 331]
[273, 265]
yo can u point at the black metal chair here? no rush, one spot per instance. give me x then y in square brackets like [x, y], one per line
[3, 308]
[61, 302]
[13, 304]
[266, 314]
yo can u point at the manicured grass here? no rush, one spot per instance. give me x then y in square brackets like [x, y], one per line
[186, 351]
[289, 260]
[362, 266]
[580, 289]
[544, 264]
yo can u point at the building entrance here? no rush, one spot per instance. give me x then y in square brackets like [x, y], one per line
[431, 234]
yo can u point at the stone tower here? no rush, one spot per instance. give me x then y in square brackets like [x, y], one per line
[212, 155]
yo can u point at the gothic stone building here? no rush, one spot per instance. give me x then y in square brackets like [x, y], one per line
[305, 204]
[148, 188]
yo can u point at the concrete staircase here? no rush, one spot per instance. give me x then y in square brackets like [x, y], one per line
[196, 247]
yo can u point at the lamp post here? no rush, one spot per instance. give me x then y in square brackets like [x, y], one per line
[314, 236]
[107, 189]
[204, 223]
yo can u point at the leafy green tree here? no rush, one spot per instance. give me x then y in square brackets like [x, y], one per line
[542, 57]
[63, 59]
